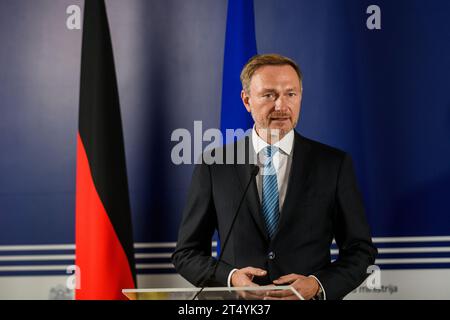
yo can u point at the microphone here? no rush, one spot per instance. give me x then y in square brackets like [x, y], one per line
[254, 173]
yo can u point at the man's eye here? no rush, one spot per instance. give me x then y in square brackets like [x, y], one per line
[292, 94]
[268, 95]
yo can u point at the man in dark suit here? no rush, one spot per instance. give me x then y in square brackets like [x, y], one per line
[304, 195]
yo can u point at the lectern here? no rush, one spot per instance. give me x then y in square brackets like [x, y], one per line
[210, 293]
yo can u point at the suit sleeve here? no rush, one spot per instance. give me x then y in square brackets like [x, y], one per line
[192, 256]
[352, 235]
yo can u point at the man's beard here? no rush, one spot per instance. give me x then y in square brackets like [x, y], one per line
[274, 134]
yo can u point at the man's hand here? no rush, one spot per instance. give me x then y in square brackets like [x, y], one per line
[306, 286]
[244, 278]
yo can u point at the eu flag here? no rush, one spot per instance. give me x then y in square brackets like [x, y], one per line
[240, 46]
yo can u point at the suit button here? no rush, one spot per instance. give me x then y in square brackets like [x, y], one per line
[271, 255]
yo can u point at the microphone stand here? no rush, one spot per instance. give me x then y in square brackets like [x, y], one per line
[253, 174]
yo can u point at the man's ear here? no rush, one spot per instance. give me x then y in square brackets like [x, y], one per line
[245, 100]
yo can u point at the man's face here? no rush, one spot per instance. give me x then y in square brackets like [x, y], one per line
[274, 99]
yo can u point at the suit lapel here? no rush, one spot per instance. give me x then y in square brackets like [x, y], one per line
[244, 172]
[298, 178]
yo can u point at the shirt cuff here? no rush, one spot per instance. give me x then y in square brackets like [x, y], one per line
[321, 287]
[229, 278]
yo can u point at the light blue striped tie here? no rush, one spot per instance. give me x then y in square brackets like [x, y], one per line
[270, 197]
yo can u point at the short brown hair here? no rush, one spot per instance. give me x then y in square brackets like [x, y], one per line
[261, 60]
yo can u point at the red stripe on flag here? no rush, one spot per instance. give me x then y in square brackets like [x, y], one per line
[103, 265]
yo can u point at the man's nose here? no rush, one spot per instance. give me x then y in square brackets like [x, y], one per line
[280, 104]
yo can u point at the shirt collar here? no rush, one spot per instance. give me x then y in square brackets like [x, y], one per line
[284, 144]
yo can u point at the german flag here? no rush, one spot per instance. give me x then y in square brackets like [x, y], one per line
[104, 241]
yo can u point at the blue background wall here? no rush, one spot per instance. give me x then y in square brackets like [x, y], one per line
[381, 95]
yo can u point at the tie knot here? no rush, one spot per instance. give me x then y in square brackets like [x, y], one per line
[270, 151]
